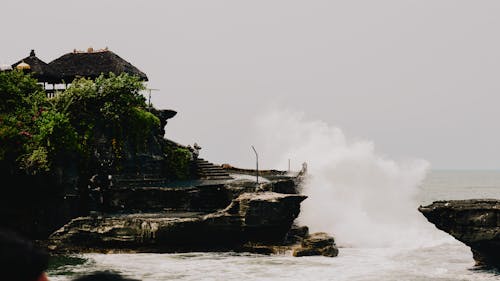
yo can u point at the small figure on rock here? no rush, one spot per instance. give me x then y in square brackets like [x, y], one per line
[304, 168]
[196, 150]
[95, 194]
[99, 192]
[302, 174]
[192, 152]
[105, 191]
[196, 146]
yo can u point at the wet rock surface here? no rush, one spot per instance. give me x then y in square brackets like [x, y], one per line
[202, 198]
[259, 217]
[474, 222]
[317, 244]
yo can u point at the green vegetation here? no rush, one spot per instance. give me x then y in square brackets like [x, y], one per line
[18, 91]
[35, 130]
[178, 160]
[24, 106]
[109, 108]
[141, 124]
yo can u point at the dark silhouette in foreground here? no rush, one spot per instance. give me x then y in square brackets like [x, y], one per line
[20, 259]
[103, 276]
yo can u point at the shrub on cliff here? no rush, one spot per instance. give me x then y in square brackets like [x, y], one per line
[17, 91]
[178, 162]
[106, 102]
[32, 132]
[52, 136]
[109, 108]
[35, 131]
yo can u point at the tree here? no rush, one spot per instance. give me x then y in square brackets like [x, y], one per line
[111, 109]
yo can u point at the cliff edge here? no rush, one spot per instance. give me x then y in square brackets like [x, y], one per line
[475, 222]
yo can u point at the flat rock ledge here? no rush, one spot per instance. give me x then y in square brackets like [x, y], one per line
[475, 222]
[262, 217]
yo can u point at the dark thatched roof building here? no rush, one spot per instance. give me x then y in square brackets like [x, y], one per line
[37, 68]
[92, 64]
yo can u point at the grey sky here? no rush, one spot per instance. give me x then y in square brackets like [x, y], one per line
[419, 78]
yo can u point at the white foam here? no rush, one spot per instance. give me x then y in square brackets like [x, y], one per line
[359, 196]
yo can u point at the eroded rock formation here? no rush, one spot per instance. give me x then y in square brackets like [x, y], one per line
[262, 217]
[474, 222]
[317, 244]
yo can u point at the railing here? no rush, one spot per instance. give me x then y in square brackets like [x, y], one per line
[51, 93]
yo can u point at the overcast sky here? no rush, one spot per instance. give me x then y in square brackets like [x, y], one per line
[421, 79]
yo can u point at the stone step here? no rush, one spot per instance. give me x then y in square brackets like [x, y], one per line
[218, 178]
[210, 167]
[209, 171]
[206, 165]
[213, 174]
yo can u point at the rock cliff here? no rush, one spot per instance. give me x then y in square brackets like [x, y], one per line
[262, 217]
[474, 222]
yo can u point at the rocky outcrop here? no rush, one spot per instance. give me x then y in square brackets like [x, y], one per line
[163, 115]
[263, 217]
[284, 185]
[296, 234]
[199, 198]
[474, 222]
[317, 244]
[300, 243]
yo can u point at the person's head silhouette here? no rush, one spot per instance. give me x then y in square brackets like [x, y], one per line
[20, 259]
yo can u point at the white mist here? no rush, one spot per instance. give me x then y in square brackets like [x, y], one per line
[358, 196]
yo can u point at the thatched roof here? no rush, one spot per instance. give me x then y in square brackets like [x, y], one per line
[91, 64]
[38, 68]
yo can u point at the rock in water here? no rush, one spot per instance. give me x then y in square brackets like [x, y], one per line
[262, 217]
[474, 222]
[297, 234]
[317, 244]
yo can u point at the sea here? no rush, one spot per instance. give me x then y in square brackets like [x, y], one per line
[409, 249]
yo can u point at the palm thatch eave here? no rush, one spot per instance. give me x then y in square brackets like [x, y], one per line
[92, 65]
[39, 69]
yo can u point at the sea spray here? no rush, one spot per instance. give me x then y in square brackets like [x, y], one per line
[359, 196]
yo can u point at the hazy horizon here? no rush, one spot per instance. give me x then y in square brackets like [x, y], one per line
[419, 79]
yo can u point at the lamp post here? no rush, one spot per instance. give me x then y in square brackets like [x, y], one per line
[257, 163]
[149, 96]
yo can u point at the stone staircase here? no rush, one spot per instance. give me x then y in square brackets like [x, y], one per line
[209, 171]
[147, 173]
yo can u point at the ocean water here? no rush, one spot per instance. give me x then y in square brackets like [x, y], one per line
[433, 255]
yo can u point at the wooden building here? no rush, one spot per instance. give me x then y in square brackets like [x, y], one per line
[63, 70]
[37, 68]
[91, 64]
